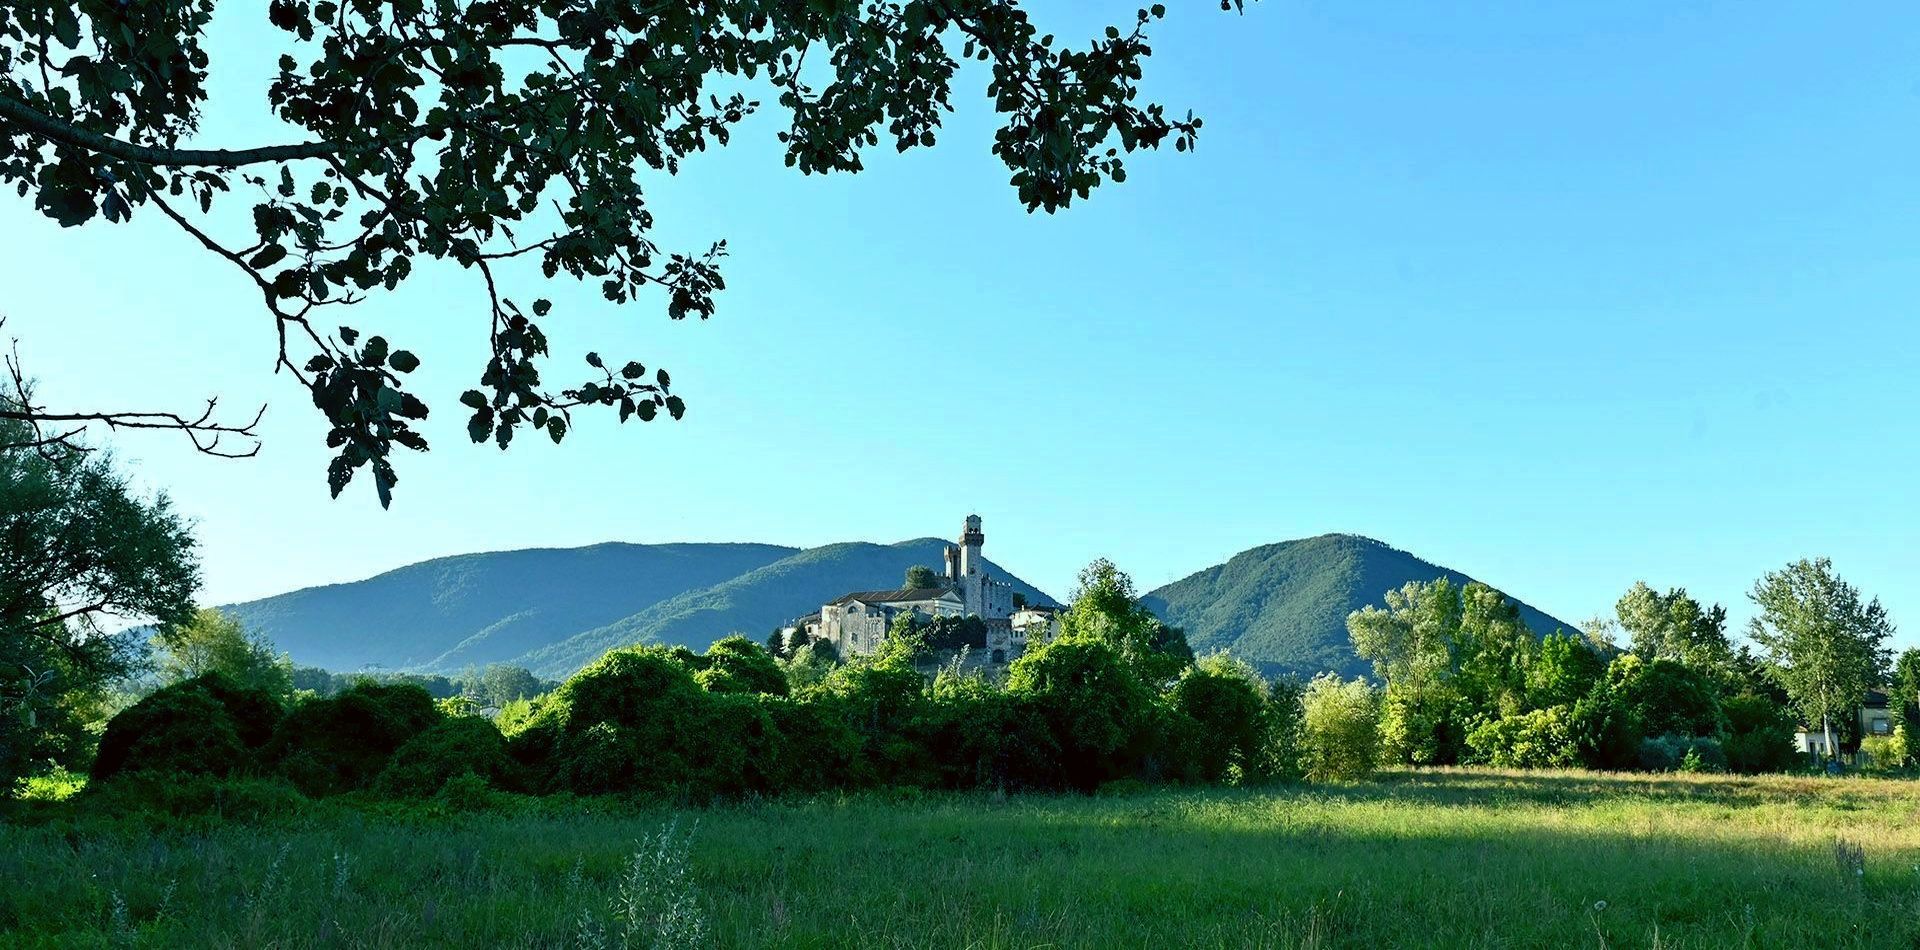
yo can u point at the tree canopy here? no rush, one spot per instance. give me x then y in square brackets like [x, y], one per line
[487, 132]
[1826, 642]
[78, 548]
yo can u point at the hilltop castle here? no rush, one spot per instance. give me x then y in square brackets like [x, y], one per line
[855, 623]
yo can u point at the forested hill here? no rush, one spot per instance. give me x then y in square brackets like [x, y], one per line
[475, 609]
[1284, 606]
[757, 601]
[555, 610]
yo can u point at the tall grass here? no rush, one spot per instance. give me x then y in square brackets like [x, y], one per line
[1464, 858]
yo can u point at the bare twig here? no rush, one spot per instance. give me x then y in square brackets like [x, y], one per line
[48, 429]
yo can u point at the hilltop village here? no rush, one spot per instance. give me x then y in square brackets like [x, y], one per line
[855, 623]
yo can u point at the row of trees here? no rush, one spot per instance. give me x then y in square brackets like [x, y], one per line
[1464, 681]
[1114, 696]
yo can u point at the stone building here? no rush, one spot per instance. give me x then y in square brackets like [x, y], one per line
[855, 623]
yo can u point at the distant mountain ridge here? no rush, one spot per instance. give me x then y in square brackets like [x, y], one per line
[759, 600]
[554, 610]
[450, 612]
[1284, 606]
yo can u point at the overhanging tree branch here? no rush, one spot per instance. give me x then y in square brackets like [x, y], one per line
[66, 133]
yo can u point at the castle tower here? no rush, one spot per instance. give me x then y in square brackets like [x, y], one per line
[953, 564]
[972, 586]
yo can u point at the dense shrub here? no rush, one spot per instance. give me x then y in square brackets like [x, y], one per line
[463, 745]
[638, 721]
[981, 736]
[1223, 702]
[1676, 753]
[174, 795]
[1099, 714]
[817, 750]
[1605, 734]
[1420, 729]
[1538, 738]
[1339, 728]
[736, 664]
[1759, 736]
[202, 726]
[342, 743]
[1281, 728]
[1665, 697]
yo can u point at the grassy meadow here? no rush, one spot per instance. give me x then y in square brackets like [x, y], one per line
[1468, 858]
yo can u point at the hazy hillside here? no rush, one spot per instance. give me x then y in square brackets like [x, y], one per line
[757, 601]
[476, 609]
[1285, 605]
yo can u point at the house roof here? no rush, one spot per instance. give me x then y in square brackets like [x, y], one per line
[1875, 699]
[901, 596]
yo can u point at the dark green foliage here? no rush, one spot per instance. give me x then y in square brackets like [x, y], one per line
[946, 634]
[392, 169]
[883, 700]
[922, 577]
[1098, 712]
[1665, 697]
[818, 748]
[984, 737]
[736, 664]
[1605, 733]
[197, 800]
[1759, 735]
[1677, 753]
[1565, 669]
[1284, 607]
[461, 745]
[202, 726]
[1223, 726]
[637, 721]
[77, 544]
[342, 743]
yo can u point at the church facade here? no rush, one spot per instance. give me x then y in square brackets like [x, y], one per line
[856, 623]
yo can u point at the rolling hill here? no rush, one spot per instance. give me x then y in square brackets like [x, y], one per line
[448, 613]
[757, 601]
[556, 610]
[1284, 606]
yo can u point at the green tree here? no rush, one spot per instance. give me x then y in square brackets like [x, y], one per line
[736, 664]
[1674, 626]
[1826, 643]
[78, 548]
[1096, 707]
[501, 683]
[216, 642]
[1903, 694]
[1564, 669]
[922, 577]
[1339, 728]
[441, 131]
[1450, 656]
[1411, 644]
[1105, 608]
[1225, 700]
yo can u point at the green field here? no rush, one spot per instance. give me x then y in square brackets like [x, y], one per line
[1432, 858]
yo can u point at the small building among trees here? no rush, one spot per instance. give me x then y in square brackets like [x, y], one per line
[856, 623]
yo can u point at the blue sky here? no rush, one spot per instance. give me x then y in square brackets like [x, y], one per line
[1563, 296]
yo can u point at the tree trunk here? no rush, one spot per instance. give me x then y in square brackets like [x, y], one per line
[1826, 727]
